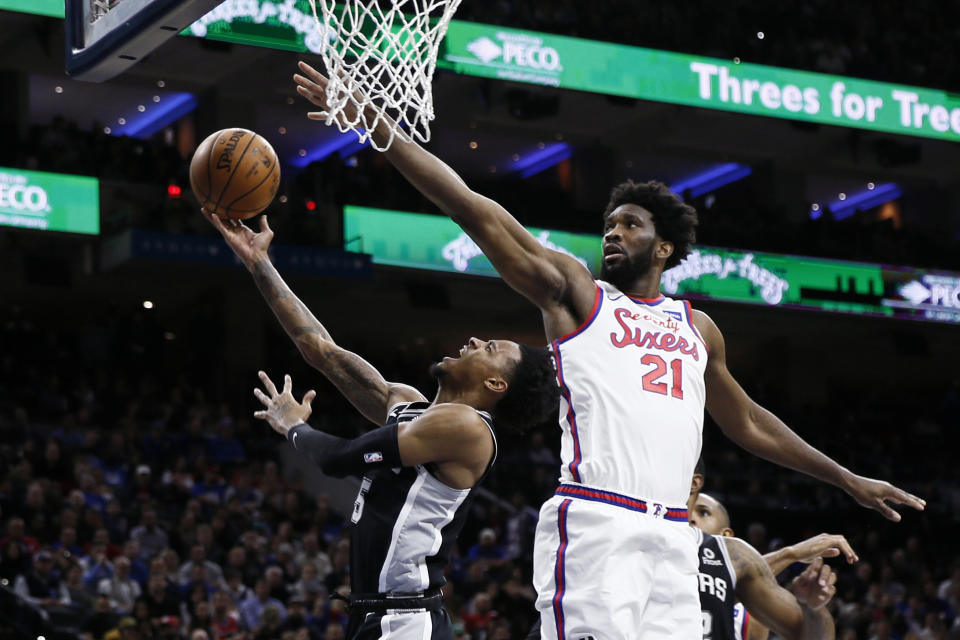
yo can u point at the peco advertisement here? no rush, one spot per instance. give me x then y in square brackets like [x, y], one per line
[49, 201]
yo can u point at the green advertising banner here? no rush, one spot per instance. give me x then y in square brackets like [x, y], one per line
[614, 69]
[752, 277]
[430, 242]
[52, 8]
[420, 241]
[648, 74]
[49, 201]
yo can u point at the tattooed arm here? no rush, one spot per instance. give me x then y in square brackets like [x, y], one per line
[356, 378]
[800, 615]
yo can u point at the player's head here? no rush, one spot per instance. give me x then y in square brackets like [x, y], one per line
[697, 482]
[710, 516]
[645, 226]
[516, 382]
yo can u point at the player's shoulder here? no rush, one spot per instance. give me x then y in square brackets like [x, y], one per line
[462, 417]
[747, 561]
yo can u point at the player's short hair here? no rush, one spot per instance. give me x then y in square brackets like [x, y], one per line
[700, 469]
[532, 393]
[674, 220]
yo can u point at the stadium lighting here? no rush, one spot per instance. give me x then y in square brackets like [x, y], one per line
[711, 179]
[173, 107]
[860, 201]
[543, 158]
[344, 144]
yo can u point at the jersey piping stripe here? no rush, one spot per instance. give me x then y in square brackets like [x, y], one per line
[744, 624]
[597, 300]
[571, 414]
[559, 575]
[618, 500]
[438, 534]
[721, 543]
[689, 312]
[398, 525]
[650, 302]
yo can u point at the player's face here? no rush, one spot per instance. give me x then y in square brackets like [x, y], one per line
[708, 516]
[481, 360]
[629, 242]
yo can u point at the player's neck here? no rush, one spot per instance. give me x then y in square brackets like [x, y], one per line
[646, 286]
[446, 394]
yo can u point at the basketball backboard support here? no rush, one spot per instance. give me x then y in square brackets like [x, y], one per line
[105, 37]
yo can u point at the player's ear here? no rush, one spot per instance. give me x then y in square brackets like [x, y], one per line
[696, 483]
[727, 532]
[664, 249]
[496, 384]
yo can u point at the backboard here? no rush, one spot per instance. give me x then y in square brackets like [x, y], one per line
[105, 37]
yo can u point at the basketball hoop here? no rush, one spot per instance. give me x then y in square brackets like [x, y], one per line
[380, 59]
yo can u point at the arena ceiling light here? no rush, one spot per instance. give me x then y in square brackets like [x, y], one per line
[157, 115]
[542, 159]
[711, 179]
[873, 196]
[345, 144]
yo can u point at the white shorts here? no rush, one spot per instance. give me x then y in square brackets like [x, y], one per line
[605, 569]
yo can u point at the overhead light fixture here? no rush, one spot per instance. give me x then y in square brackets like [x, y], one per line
[344, 144]
[866, 199]
[174, 107]
[711, 179]
[543, 158]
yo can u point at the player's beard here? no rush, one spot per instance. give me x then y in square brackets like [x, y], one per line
[624, 273]
[436, 371]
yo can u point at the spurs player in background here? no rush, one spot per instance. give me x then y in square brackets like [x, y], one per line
[419, 469]
[614, 556]
[731, 576]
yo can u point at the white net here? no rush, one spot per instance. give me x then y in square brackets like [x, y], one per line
[380, 61]
[99, 8]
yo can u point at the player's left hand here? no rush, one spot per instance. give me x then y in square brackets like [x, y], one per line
[824, 545]
[249, 246]
[875, 494]
[282, 411]
[815, 587]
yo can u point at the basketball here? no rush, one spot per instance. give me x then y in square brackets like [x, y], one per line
[235, 173]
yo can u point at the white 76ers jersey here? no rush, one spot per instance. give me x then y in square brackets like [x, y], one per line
[632, 397]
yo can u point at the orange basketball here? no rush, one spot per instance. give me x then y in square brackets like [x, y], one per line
[235, 173]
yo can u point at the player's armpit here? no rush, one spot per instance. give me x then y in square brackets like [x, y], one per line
[771, 604]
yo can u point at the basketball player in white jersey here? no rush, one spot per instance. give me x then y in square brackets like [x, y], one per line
[419, 468]
[614, 557]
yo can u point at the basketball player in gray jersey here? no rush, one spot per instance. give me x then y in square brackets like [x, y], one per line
[419, 468]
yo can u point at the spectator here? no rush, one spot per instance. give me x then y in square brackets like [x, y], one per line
[311, 553]
[225, 620]
[42, 585]
[251, 610]
[148, 535]
[198, 558]
[121, 588]
[159, 601]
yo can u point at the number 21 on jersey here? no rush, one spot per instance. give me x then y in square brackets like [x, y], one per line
[651, 379]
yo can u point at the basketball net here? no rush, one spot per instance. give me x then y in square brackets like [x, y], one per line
[380, 60]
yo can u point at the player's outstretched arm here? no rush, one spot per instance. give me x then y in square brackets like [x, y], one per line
[763, 434]
[442, 433]
[356, 378]
[800, 615]
[544, 276]
[824, 545]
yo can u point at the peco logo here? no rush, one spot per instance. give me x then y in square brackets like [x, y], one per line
[22, 198]
[520, 50]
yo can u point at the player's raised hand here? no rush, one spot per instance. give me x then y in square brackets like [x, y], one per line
[282, 411]
[312, 85]
[824, 545]
[249, 246]
[815, 586]
[875, 494]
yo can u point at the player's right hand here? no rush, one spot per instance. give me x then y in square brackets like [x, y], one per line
[815, 587]
[250, 247]
[312, 85]
[824, 545]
